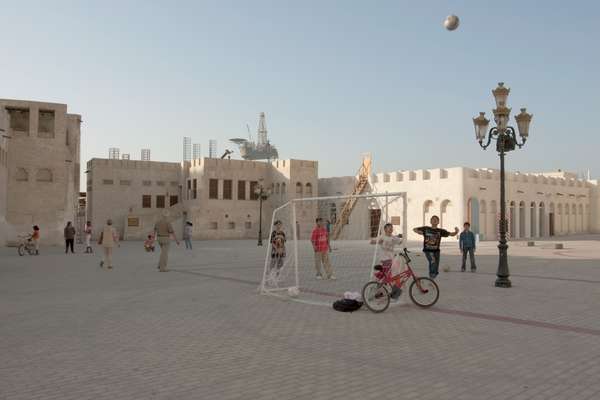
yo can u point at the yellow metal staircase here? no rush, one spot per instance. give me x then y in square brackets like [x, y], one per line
[359, 187]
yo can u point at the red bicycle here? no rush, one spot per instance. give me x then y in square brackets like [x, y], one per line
[424, 292]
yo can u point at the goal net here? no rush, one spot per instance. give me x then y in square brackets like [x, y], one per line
[321, 263]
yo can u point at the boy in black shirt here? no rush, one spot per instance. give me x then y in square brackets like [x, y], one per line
[432, 236]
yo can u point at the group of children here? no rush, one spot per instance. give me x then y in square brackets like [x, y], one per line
[432, 237]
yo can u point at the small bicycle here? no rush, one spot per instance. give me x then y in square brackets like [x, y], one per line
[26, 245]
[424, 292]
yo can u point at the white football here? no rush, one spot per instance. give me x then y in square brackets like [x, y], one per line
[451, 22]
[293, 291]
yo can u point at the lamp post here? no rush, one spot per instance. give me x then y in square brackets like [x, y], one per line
[262, 195]
[506, 140]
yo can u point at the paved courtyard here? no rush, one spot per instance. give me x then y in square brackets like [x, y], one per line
[71, 330]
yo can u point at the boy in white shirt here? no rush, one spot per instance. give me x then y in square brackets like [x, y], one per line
[387, 242]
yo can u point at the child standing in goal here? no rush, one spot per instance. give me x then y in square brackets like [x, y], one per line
[320, 242]
[277, 248]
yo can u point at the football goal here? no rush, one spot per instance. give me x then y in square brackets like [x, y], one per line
[321, 247]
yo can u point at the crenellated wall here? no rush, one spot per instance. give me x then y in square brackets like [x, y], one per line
[538, 204]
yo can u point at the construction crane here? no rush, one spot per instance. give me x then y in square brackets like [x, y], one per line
[227, 154]
[359, 187]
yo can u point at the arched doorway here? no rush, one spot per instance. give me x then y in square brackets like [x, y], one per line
[542, 220]
[483, 220]
[551, 226]
[332, 213]
[533, 219]
[580, 218]
[445, 212]
[494, 218]
[522, 232]
[567, 220]
[559, 219]
[427, 211]
[511, 220]
[473, 214]
[574, 218]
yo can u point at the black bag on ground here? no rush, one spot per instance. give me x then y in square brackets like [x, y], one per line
[347, 305]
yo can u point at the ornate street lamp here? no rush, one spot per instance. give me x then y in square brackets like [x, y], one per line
[506, 140]
[262, 194]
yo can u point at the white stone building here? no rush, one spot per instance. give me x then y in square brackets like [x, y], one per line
[216, 195]
[41, 181]
[538, 204]
[4, 228]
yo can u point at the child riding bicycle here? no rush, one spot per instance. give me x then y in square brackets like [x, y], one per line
[387, 242]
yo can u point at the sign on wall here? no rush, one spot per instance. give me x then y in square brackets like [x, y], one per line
[133, 221]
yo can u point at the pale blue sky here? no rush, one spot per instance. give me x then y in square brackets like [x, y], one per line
[336, 78]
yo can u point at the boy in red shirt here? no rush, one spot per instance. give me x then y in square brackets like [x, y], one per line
[320, 242]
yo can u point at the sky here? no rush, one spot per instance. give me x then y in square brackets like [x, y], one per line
[336, 79]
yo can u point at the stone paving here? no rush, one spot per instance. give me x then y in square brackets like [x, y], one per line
[71, 330]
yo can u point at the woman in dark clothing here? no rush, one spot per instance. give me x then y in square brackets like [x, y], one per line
[69, 237]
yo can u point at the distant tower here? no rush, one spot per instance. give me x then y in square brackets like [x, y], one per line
[262, 130]
[197, 151]
[187, 148]
[125, 156]
[113, 153]
[145, 155]
[212, 148]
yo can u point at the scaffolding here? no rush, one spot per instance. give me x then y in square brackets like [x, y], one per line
[359, 187]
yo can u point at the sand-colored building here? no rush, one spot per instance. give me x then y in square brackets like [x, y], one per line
[538, 204]
[4, 229]
[217, 195]
[41, 182]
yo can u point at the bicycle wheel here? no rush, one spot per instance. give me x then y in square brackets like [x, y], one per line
[30, 250]
[376, 296]
[21, 249]
[424, 294]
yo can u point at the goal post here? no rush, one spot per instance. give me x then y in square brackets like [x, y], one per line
[345, 255]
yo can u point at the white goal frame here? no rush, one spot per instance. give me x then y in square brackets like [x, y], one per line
[292, 203]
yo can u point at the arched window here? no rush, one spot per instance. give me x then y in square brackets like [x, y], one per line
[22, 175]
[298, 188]
[308, 190]
[283, 188]
[43, 175]
[277, 188]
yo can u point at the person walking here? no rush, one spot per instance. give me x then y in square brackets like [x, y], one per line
[35, 237]
[69, 234]
[320, 241]
[163, 232]
[108, 239]
[466, 243]
[432, 237]
[187, 235]
[88, 237]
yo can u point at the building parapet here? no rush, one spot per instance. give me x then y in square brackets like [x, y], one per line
[131, 164]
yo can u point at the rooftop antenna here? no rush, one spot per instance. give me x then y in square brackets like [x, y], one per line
[249, 134]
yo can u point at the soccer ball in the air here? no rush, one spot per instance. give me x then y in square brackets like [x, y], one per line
[293, 291]
[451, 22]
